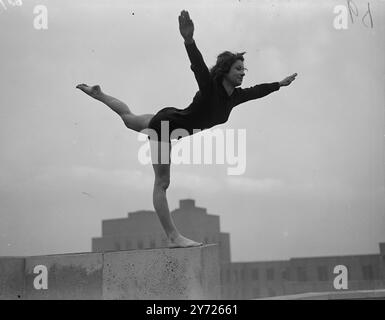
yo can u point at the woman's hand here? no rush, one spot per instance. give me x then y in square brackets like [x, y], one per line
[288, 80]
[186, 26]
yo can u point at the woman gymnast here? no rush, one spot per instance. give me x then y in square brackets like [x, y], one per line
[218, 94]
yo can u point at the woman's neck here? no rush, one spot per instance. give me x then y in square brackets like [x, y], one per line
[228, 87]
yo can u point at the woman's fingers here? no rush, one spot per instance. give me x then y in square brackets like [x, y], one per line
[182, 19]
[288, 80]
[185, 16]
[185, 23]
[292, 77]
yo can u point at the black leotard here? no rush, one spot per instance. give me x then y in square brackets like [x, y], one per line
[211, 105]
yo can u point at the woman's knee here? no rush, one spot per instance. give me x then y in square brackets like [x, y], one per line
[162, 176]
[162, 182]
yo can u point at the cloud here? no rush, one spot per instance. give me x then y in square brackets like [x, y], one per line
[143, 181]
[135, 179]
[193, 181]
[244, 184]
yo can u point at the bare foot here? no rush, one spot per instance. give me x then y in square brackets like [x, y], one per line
[182, 242]
[94, 91]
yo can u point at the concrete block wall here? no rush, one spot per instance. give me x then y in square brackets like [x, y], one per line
[189, 273]
[12, 278]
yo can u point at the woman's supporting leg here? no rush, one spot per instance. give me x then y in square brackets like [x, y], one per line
[132, 121]
[161, 183]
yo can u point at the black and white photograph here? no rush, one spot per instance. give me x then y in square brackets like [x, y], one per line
[222, 151]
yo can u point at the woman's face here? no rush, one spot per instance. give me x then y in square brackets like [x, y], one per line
[236, 73]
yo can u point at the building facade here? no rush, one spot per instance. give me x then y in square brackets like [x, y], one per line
[242, 280]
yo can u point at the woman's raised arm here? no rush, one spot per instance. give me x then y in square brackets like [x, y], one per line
[198, 66]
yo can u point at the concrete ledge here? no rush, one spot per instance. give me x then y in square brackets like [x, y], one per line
[73, 277]
[12, 278]
[189, 273]
[335, 295]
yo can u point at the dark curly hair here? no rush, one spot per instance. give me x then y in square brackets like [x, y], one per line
[224, 62]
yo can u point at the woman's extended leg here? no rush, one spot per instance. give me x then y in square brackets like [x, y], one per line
[132, 121]
[161, 183]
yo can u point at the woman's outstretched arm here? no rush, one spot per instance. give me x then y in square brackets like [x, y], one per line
[261, 90]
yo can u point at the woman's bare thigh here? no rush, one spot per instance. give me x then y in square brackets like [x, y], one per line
[160, 154]
[137, 122]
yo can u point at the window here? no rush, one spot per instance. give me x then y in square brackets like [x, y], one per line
[243, 274]
[140, 244]
[270, 274]
[367, 272]
[236, 275]
[286, 274]
[323, 273]
[255, 274]
[301, 274]
[228, 275]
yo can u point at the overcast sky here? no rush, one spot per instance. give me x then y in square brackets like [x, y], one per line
[314, 181]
